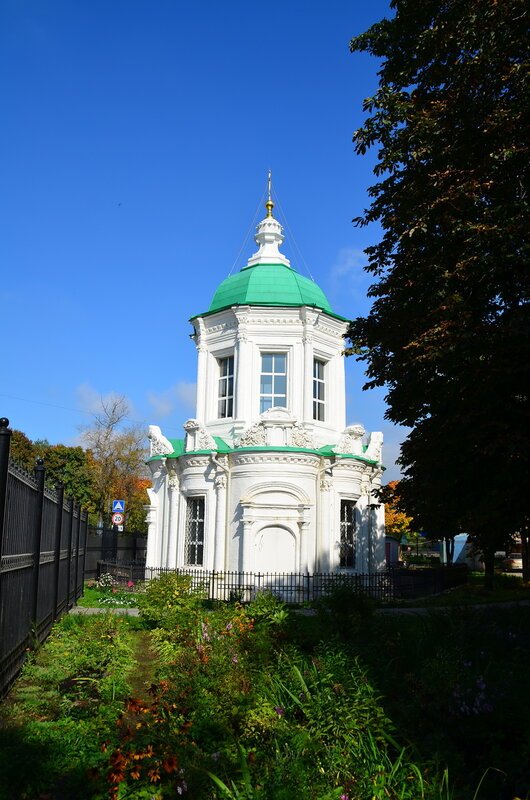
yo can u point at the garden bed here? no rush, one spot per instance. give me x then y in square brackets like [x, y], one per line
[262, 703]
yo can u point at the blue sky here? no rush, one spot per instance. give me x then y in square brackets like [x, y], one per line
[135, 142]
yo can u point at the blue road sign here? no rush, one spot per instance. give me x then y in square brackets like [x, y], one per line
[118, 505]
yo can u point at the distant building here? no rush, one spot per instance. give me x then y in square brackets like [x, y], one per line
[268, 477]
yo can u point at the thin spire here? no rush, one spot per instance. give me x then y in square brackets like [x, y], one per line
[269, 205]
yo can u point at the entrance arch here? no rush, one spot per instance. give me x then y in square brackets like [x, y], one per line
[275, 550]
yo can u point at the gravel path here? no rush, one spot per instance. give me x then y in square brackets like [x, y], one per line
[126, 612]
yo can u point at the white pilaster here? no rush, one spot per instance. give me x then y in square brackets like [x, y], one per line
[172, 539]
[308, 376]
[243, 384]
[325, 532]
[220, 523]
[202, 357]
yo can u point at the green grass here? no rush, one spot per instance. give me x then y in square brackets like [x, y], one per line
[507, 588]
[107, 598]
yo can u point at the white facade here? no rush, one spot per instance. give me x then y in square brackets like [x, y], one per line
[268, 477]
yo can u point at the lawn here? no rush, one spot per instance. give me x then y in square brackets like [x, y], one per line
[108, 593]
[507, 588]
[263, 703]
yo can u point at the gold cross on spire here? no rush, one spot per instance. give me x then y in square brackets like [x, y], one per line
[269, 205]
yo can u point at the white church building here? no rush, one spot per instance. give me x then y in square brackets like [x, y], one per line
[268, 477]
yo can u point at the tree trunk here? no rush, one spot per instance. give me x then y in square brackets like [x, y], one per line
[489, 567]
[449, 549]
[525, 552]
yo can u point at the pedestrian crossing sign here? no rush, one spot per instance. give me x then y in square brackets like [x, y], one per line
[118, 505]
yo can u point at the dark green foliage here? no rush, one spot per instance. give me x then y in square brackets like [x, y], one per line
[453, 685]
[449, 329]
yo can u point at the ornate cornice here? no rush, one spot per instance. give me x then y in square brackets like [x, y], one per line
[194, 461]
[303, 459]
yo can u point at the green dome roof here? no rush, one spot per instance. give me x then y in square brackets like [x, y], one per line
[269, 285]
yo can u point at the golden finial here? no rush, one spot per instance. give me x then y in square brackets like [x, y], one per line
[269, 205]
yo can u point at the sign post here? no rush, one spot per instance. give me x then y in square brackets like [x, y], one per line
[118, 514]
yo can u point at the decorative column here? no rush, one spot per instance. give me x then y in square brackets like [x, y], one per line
[245, 546]
[305, 566]
[201, 381]
[219, 563]
[324, 538]
[307, 340]
[172, 525]
[244, 386]
[155, 546]
[151, 519]
[362, 527]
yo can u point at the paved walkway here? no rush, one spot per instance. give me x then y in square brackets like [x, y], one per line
[309, 612]
[424, 610]
[85, 612]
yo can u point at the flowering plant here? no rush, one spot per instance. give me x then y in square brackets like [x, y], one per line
[106, 581]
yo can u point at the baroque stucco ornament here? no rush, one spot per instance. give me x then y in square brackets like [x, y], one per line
[254, 436]
[198, 438]
[300, 437]
[159, 445]
[351, 440]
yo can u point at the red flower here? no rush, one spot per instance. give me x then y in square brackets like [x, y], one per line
[170, 764]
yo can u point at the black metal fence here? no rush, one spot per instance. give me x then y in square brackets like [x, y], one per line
[293, 588]
[243, 586]
[42, 551]
[106, 544]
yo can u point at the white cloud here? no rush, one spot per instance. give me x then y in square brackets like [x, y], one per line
[391, 452]
[348, 278]
[90, 401]
[181, 395]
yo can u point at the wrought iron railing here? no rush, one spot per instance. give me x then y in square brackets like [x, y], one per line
[293, 588]
[42, 552]
[297, 588]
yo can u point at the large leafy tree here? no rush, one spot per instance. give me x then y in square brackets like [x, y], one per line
[397, 523]
[448, 332]
[112, 464]
[67, 465]
[118, 454]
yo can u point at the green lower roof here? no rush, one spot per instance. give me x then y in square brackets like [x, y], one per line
[223, 448]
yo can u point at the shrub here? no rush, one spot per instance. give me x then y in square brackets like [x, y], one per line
[170, 602]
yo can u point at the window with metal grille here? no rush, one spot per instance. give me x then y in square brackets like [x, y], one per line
[225, 403]
[347, 534]
[194, 540]
[318, 390]
[273, 383]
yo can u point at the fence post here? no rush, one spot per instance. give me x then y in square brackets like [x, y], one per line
[5, 443]
[85, 544]
[39, 477]
[76, 573]
[57, 554]
[70, 534]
